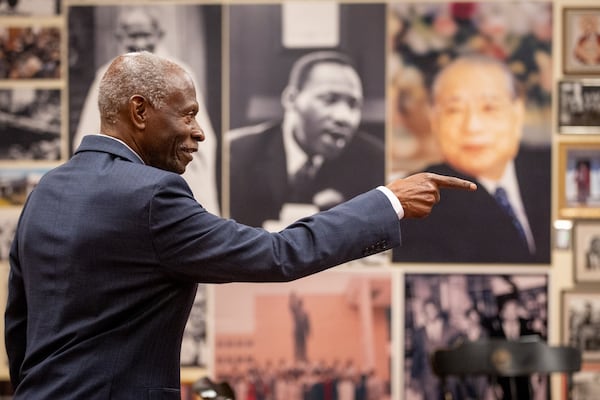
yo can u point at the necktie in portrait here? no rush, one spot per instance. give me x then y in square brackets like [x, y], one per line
[502, 198]
[300, 188]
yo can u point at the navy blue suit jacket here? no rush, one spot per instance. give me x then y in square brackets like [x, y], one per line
[105, 262]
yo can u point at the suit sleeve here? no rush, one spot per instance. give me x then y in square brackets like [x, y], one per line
[15, 317]
[192, 242]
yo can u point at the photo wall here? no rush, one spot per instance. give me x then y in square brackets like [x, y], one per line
[504, 93]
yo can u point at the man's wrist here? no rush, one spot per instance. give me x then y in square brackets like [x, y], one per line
[393, 201]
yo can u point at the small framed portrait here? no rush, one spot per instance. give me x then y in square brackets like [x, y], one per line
[587, 251]
[581, 322]
[581, 36]
[578, 110]
[579, 180]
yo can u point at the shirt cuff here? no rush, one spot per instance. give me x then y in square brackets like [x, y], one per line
[393, 201]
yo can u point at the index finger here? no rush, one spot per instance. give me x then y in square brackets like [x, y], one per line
[451, 182]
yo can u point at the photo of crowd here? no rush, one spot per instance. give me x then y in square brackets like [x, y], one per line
[29, 52]
[291, 341]
[442, 310]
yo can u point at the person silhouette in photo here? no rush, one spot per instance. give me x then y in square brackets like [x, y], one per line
[582, 180]
[511, 324]
[301, 322]
[435, 332]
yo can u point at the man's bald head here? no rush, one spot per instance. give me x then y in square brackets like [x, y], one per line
[143, 74]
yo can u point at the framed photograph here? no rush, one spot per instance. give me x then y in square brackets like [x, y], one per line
[579, 180]
[581, 38]
[30, 8]
[443, 309]
[294, 92]
[17, 183]
[30, 124]
[40, 61]
[587, 251]
[332, 327]
[98, 33]
[581, 322]
[428, 41]
[578, 110]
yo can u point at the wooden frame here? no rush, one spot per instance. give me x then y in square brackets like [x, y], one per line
[578, 110]
[579, 325]
[578, 192]
[581, 38]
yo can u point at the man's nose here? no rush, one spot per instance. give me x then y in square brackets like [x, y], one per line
[197, 132]
[342, 113]
[474, 120]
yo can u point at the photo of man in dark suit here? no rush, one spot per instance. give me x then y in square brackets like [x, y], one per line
[316, 154]
[306, 103]
[477, 115]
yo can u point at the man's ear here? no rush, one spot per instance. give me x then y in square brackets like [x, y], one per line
[138, 111]
[288, 97]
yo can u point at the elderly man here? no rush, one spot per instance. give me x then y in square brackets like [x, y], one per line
[111, 245]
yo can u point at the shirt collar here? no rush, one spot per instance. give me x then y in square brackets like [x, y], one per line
[123, 143]
[508, 181]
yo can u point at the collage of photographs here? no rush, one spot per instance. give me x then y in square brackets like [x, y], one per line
[503, 93]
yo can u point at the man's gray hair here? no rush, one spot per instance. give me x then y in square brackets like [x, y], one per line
[142, 73]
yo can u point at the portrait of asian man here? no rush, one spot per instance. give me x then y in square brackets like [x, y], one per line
[320, 150]
[477, 115]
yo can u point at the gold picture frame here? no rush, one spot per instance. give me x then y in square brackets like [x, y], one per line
[581, 34]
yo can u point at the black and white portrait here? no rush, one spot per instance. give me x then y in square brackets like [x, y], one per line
[579, 106]
[307, 113]
[99, 33]
[581, 322]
